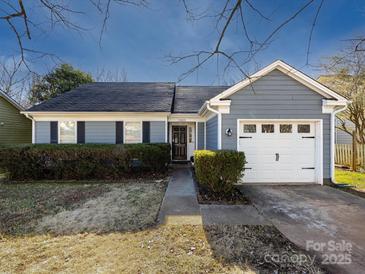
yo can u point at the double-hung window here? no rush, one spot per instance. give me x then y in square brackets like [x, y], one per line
[67, 131]
[133, 132]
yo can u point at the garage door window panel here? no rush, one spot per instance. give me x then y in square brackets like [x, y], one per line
[286, 128]
[267, 128]
[249, 128]
[304, 128]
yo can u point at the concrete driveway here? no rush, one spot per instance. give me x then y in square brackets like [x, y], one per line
[316, 214]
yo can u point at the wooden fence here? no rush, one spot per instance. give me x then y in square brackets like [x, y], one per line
[344, 155]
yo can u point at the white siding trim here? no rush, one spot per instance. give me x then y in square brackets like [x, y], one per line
[219, 140]
[196, 135]
[205, 135]
[33, 131]
[97, 116]
[332, 146]
[166, 131]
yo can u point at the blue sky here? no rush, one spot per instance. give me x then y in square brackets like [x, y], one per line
[139, 39]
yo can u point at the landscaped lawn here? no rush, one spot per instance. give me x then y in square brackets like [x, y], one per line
[355, 179]
[111, 228]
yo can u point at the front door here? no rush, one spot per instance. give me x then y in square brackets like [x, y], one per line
[179, 142]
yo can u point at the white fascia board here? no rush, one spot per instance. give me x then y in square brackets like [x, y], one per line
[329, 106]
[220, 103]
[223, 106]
[288, 70]
[97, 116]
[185, 117]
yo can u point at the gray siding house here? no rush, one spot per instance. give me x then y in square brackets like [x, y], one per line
[282, 119]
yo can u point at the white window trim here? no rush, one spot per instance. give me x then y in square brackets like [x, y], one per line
[196, 135]
[59, 132]
[319, 139]
[124, 135]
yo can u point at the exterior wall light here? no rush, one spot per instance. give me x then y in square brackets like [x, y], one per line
[229, 132]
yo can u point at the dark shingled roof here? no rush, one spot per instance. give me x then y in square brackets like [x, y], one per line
[122, 96]
[189, 99]
[131, 97]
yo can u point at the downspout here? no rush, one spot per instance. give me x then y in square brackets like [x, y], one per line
[219, 140]
[333, 146]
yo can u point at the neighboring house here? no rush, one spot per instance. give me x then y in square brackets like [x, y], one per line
[15, 128]
[282, 119]
[342, 137]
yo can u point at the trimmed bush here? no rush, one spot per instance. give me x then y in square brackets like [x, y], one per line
[83, 161]
[219, 170]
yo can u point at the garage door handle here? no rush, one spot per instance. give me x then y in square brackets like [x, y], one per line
[245, 137]
[277, 156]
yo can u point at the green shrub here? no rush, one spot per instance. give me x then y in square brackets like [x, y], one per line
[219, 170]
[83, 161]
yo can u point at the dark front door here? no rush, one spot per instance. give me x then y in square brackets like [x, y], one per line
[178, 142]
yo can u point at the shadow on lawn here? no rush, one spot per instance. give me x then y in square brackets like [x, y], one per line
[259, 247]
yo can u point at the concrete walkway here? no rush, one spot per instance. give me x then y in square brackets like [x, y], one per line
[232, 215]
[180, 205]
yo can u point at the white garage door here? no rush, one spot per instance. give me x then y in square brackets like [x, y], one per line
[278, 152]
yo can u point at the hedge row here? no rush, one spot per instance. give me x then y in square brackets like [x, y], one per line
[86, 161]
[219, 170]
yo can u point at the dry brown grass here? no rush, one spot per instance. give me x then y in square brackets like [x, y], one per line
[124, 207]
[79, 206]
[166, 249]
[121, 235]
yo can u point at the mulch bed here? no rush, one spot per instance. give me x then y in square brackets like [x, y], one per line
[207, 197]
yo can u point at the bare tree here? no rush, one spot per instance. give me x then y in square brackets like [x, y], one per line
[233, 13]
[23, 18]
[13, 80]
[346, 75]
[104, 75]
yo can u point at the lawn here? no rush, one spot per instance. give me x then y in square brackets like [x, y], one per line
[62, 208]
[354, 179]
[111, 227]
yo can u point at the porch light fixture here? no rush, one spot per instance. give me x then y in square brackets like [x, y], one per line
[229, 132]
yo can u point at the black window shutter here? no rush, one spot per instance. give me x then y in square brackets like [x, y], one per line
[54, 132]
[80, 132]
[146, 132]
[119, 132]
